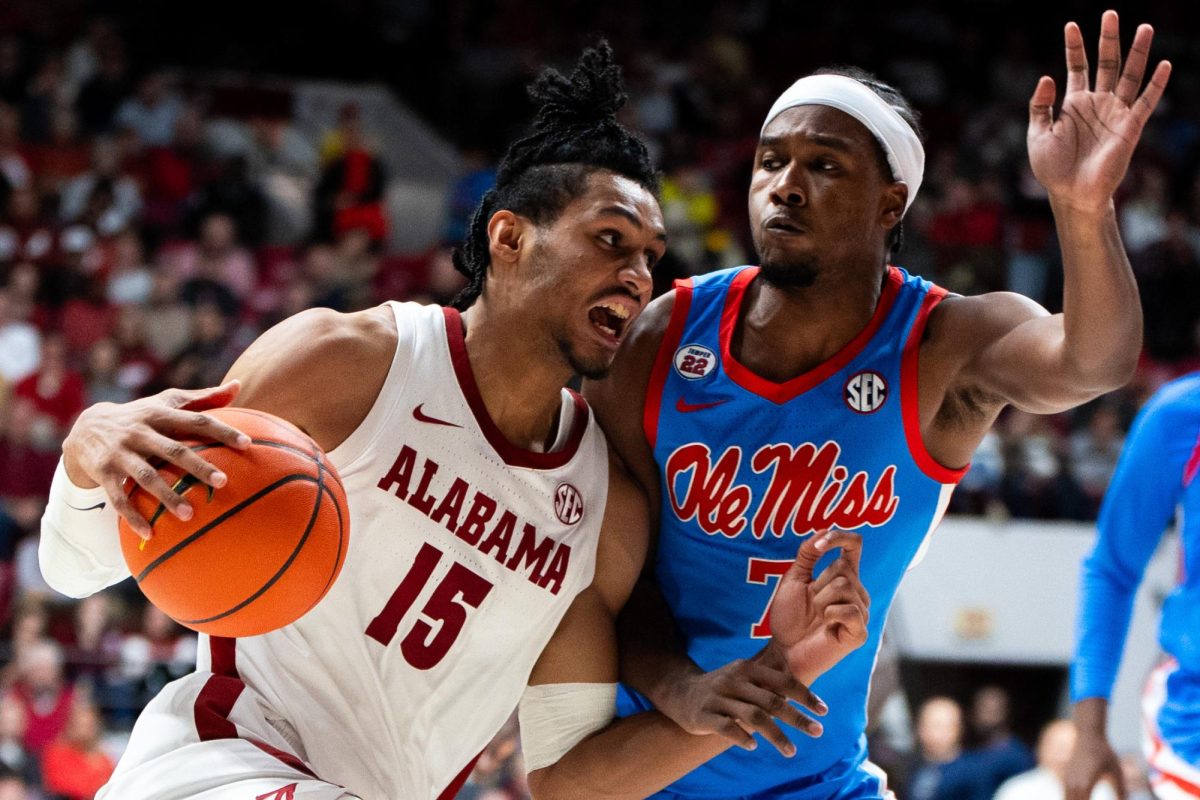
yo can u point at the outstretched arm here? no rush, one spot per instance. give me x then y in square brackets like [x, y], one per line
[1047, 363]
[1138, 506]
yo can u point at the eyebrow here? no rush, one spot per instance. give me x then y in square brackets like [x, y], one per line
[823, 139]
[621, 211]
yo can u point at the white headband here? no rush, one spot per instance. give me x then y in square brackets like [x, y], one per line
[904, 152]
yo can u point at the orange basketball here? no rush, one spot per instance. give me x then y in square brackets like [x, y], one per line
[260, 551]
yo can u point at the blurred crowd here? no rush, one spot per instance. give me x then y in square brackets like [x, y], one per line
[145, 240]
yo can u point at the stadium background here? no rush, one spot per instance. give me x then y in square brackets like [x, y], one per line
[174, 178]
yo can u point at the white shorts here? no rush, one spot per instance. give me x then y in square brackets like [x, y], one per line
[208, 737]
[1171, 777]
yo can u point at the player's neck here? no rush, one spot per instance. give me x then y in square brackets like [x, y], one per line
[783, 332]
[521, 387]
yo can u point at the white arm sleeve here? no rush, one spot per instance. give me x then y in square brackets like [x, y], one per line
[554, 717]
[79, 550]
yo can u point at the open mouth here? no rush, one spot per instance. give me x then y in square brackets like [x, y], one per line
[610, 318]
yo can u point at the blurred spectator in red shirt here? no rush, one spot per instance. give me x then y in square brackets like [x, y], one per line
[20, 344]
[74, 767]
[55, 392]
[349, 194]
[138, 363]
[43, 692]
[62, 156]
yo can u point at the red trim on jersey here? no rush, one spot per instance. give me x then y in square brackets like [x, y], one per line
[664, 359]
[790, 389]
[217, 698]
[455, 786]
[1193, 464]
[910, 404]
[513, 456]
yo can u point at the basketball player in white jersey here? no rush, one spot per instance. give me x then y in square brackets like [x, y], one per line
[478, 489]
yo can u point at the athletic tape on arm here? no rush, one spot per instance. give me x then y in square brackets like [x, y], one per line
[555, 717]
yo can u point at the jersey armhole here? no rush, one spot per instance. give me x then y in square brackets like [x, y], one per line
[910, 404]
[662, 362]
[356, 444]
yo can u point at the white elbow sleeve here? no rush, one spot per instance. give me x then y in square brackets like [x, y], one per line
[79, 550]
[555, 717]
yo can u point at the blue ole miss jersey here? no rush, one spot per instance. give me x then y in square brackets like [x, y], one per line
[749, 469]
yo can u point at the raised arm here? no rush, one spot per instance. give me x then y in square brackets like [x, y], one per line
[1025, 356]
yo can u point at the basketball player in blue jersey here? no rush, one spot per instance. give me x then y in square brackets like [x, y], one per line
[1156, 480]
[825, 388]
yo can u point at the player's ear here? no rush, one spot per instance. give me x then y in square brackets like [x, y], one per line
[508, 233]
[892, 203]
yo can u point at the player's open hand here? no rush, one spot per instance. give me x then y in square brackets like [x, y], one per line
[815, 623]
[111, 442]
[1082, 156]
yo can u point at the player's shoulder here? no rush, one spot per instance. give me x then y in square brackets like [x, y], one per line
[1178, 399]
[967, 323]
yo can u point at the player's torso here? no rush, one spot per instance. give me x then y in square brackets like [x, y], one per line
[464, 554]
[750, 468]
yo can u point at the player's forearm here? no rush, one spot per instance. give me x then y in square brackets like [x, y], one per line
[1091, 717]
[652, 656]
[78, 551]
[632, 758]
[1102, 313]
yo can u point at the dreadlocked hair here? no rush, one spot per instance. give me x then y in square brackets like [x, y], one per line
[574, 134]
[899, 103]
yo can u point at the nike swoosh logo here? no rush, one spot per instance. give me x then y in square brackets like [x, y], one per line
[684, 407]
[421, 416]
[98, 506]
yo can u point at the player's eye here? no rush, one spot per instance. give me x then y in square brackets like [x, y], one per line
[610, 238]
[770, 163]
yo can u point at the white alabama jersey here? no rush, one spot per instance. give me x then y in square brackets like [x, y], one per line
[464, 554]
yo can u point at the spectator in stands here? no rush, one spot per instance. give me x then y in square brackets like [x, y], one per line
[349, 195]
[123, 200]
[12, 70]
[101, 374]
[13, 756]
[103, 93]
[92, 643]
[216, 263]
[74, 767]
[62, 156]
[159, 652]
[20, 344]
[26, 233]
[1000, 754]
[26, 511]
[43, 692]
[55, 393]
[45, 92]
[152, 112]
[1046, 781]
[138, 363]
[15, 171]
[130, 279]
[235, 195]
[941, 770]
[1094, 451]
[1167, 270]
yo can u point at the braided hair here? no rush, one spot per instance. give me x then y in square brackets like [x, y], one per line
[891, 95]
[574, 134]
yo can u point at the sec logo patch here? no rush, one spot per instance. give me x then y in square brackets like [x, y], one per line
[694, 361]
[568, 504]
[865, 392]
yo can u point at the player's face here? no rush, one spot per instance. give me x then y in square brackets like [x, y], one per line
[818, 198]
[590, 274]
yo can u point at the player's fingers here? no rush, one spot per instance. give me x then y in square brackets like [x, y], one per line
[841, 569]
[755, 720]
[851, 617]
[147, 477]
[203, 426]
[1118, 782]
[778, 707]
[1135, 65]
[1077, 63]
[186, 459]
[1146, 104]
[837, 591]
[849, 543]
[807, 557]
[783, 683]
[114, 488]
[1041, 105]
[728, 728]
[1108, 57]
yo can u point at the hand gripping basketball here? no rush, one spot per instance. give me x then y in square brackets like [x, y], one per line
[257, 553]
